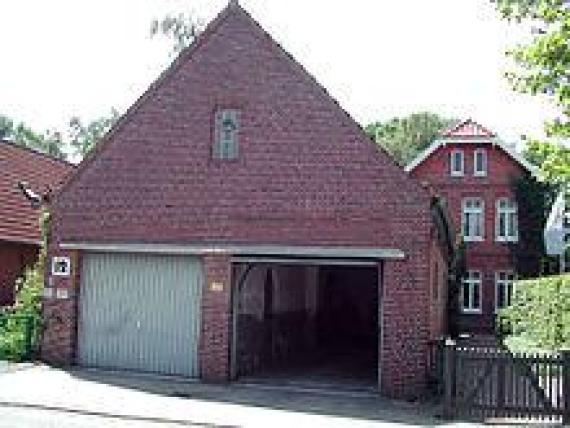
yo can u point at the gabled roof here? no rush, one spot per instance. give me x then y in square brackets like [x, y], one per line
[468, 128]
[19, 222]
[232, 10]
[468, 132]
[155, 164]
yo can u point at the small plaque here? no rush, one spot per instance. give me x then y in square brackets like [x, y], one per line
[62, 293]
[217, 286]
[61, 266]
[48, 293]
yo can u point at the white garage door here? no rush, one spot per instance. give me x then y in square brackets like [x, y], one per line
[140, 312]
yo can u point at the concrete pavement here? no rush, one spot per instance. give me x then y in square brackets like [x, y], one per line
[83, 397]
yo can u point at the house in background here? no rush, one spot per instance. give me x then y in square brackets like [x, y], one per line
[20, 235]
[237, 222]
[475, 173]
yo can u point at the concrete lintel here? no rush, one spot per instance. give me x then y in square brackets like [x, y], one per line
[240, 250]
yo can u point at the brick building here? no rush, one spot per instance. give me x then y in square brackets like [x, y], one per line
[476, 174]
[19, 223]
[237, 222]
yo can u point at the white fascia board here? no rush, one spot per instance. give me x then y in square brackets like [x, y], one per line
[517, 157]
[424, 155]
[240, 250]
[479, 140]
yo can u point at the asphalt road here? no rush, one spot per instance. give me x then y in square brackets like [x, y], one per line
[17, 417]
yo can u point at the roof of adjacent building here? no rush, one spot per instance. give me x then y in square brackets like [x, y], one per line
[467, 129]
[19, 222]
[468, 132]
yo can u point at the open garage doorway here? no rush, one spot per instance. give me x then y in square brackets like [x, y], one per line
[306, 324]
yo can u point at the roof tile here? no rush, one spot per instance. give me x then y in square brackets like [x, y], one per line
[18, 220]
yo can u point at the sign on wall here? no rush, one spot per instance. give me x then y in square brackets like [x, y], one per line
[61, 266]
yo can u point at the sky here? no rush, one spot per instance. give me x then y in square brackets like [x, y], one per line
[378, 58]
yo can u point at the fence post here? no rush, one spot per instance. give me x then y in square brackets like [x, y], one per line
[566, 386]
[501, 380]
[449, 380]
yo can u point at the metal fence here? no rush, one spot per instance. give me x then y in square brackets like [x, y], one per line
[19, 336]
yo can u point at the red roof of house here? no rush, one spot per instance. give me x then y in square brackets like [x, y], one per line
[468, 132]
[18, 220]
[467, 128]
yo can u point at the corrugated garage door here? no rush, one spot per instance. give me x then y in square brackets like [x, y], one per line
[140, 312]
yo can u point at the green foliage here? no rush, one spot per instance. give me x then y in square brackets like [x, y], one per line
[552, 159]
[19, 324]
[405, 137]
[13, 340]
[50, 142]
[182, 29]
[534, 200]
[540, 312]
[6, 127]
[84, 136]
[543, 64]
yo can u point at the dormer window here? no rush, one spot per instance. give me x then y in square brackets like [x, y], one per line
[480, 163]
[457, 163]
[226, 134]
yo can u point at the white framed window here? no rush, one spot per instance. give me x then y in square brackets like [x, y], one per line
[504, 289]
[507, 221]
[471, 292]
[226, 134]
[457, 163]
[480, 163]
[473, 219]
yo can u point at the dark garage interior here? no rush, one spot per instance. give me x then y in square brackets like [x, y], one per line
[314, 324]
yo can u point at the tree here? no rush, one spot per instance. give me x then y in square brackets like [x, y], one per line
[182, 29]
[405, 137]
[84, 137]
[6, 127]
[552, 160]
[542, 65]
[50, 142]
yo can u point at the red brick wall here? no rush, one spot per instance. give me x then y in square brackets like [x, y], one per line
[59, 306]
[14, 258]
[215, 340]
[405, 326]
[306, 175]
[488, 256]
[438, 290]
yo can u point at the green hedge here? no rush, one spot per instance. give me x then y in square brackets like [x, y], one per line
[18, 336]
[540, 313]
[20, 325]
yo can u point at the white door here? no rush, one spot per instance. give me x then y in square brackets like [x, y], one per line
[140, 312]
